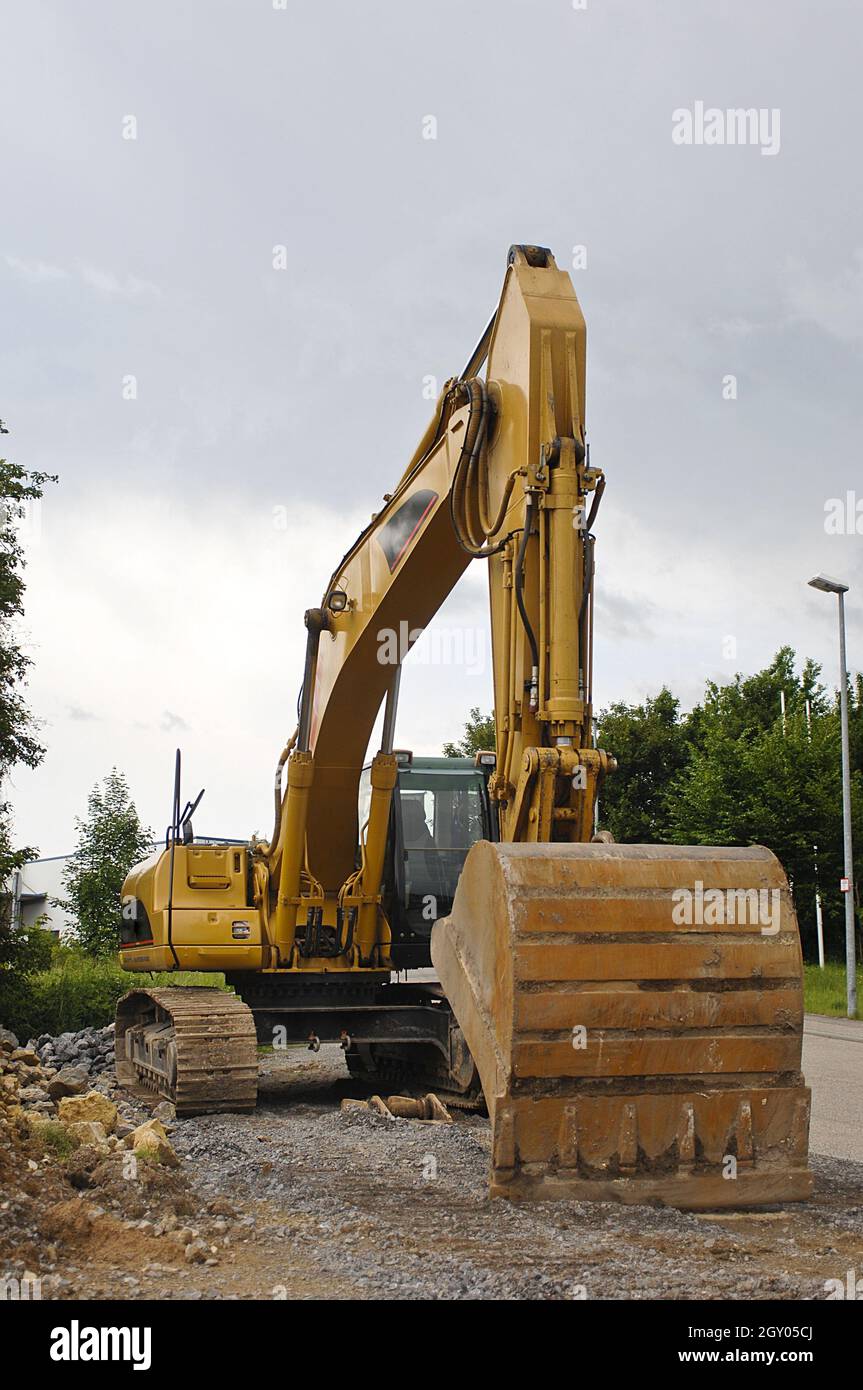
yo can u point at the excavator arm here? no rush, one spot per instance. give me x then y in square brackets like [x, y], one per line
[502, 473]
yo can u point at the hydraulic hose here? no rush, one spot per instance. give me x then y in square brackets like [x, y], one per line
[588, 576]
[519, 598]
[283, 758]
[467, 498]
[594, 508]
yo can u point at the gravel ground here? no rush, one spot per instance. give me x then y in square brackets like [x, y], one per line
[301, 1200]
[350, 1204]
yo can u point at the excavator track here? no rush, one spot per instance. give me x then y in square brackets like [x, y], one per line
[193, 1046]
[635, 1013]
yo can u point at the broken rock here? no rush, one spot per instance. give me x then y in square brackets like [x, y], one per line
[92, 1106]
[33, 1095]
[149, 1140]
[69, 1081]
[89, 1132]
[26, 1055]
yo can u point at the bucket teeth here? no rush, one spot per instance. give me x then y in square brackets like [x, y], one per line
[627, 1048]
[800, 1127]
[686, 1134]
[627, 1145]
[503, 1155]
[744, 1148]
[567, 1141]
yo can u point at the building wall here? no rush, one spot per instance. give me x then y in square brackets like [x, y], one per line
[39, 883]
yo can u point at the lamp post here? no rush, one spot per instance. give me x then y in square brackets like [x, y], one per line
[819, 920]
[833, 586]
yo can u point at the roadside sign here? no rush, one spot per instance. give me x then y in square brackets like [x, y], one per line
[844, 885]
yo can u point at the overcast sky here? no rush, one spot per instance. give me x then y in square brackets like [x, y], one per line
[169, 569]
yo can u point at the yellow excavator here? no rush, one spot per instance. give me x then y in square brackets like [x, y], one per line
[631, 1015]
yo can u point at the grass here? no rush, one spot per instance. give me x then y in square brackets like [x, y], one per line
[150, 1156]
[81, 992]
[55, 1139]
[824, 990]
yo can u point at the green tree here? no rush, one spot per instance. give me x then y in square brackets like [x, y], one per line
[21, 952]
[756, 776]
[652, 745]
[478, 736]
[111, 839]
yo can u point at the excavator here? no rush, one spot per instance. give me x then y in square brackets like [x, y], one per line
[628, 1014]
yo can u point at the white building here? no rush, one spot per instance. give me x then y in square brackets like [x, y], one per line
[33, 889]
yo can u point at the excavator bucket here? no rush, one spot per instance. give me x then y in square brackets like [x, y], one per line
[635, 1013]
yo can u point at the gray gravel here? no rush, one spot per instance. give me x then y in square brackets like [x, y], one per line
[339, 1204]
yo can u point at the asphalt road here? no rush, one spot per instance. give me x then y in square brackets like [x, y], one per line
[833, 1067]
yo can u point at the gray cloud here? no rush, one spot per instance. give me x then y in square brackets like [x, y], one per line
[256, 387]
[172, 723]
[619, 616]
[81, 716]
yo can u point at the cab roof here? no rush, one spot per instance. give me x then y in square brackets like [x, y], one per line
[440, 765]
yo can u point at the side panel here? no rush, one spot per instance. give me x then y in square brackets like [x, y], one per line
[206, 919]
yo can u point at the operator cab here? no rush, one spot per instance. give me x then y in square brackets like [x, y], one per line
[440, 808]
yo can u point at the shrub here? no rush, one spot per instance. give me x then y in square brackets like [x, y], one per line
[79, 991]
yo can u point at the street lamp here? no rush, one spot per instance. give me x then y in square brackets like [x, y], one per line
[833, 586]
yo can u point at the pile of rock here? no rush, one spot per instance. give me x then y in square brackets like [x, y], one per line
[10, 1084]
[37, 1094]
[91, 1048]
[23, 1079]
[93, 1120]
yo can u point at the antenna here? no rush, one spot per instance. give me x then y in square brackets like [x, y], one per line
[173, 829]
